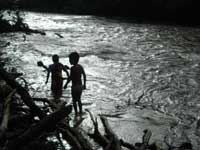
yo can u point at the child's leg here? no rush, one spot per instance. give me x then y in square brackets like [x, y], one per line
[56, 88]
[76, 96]
[80, 106]
[75, 106]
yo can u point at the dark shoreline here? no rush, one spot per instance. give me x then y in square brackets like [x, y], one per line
[183, 13]
[126, 19]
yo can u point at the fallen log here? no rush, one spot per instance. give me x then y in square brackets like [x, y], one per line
[47, 123]
[71, 140]
[6, 114]
[25, 96]
[115, 143]
[97, 136]
[85, 144]
[127, 145]
[44, 100]
[20, 121]
[74, 137]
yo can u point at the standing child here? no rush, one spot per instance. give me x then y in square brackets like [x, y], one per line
[56, 77]
[76, 72]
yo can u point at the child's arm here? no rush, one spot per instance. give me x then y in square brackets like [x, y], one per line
[84, 79]
[68, 80]
[45, 67]
[65, 70]
[48, 73]
[40, 64]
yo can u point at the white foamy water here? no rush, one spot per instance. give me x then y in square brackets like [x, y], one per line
[155, 66]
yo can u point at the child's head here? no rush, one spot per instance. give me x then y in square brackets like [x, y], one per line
[55, 58]
[74, 58]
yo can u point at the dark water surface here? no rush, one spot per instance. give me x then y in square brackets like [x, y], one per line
[139, 75]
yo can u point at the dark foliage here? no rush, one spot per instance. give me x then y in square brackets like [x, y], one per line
[177, 10]
[12, 21]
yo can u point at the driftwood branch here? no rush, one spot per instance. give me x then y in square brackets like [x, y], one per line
[115, 142]
[97, 136]
[52, 104]
[75, 138]
[23, 93]
[47, 123]
[44, 100]
[127, 145]
[146, 137]
[4, 123]
[85, 144]
[73, 142]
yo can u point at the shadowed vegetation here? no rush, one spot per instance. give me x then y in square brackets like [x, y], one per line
[185, 11]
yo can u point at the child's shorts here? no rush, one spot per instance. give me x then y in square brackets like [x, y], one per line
[76, 92]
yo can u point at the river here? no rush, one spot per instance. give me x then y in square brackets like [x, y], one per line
[141, 76]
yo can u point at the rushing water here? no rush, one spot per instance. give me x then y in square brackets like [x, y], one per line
[139, 75]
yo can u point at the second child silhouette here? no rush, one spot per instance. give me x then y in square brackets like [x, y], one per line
[76, 73]
[55, 70]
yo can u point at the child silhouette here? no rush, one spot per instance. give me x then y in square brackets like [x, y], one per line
[76, 73]
[55, 70]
